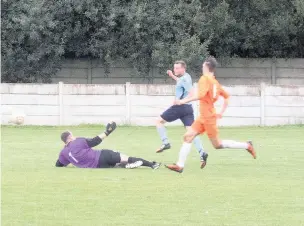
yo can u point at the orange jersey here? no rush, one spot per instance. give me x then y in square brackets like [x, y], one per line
[209, 90]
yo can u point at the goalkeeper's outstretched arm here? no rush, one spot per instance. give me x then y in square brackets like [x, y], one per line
[98, 139]
[92, 142]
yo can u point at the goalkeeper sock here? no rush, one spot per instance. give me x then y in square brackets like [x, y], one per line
[145, 162]
[234, 144]
[184, 152]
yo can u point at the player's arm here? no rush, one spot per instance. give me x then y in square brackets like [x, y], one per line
[188, 99]
[225, 95]
[92, 142]
[194, 95]
[59, 164]
[170, 73]
[192, 92]
[62, 161]
[98, 139]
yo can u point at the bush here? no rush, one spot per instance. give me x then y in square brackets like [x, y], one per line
[37, 35]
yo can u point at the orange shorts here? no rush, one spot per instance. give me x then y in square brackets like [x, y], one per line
[209, 127]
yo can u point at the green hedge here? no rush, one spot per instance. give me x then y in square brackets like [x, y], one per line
[37, 35]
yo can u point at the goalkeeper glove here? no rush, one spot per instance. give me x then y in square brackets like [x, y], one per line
[110, 128]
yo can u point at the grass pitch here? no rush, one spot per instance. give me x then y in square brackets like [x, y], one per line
[233, 189]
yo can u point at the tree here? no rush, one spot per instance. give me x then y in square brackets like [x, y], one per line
[37, 35]
[30, 50]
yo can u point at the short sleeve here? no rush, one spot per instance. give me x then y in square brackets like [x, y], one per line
[223, 93]
[202, 87]
[63, 159]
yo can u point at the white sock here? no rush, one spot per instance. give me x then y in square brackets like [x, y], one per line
[234, 144]
[183, 153]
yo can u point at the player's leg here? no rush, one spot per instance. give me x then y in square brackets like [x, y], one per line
[199, 146]
[111, 159]
[188, 120]
[203, 153]
[186, 147]
[105, 159]
[169, 115]
[217, 143]
[161, 129]
[189, 136]
[134, 162]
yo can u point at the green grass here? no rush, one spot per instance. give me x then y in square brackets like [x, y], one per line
[233, 189]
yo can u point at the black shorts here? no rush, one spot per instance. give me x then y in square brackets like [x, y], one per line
[183, 112]
[108, 159]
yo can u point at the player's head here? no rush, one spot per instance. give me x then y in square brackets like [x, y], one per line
[209, 66]
[67, 137]
[179, 68]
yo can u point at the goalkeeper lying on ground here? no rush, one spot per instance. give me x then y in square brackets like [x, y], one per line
[79, 152]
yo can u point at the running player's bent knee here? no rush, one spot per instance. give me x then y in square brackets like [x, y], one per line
[216, 143]
[160, 122]
[218, 146]
[123, 158]
[188, 138]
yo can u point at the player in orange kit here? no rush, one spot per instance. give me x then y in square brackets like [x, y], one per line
[208, 93]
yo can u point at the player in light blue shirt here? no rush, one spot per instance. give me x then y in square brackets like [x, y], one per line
[183, 86]
[183, 112]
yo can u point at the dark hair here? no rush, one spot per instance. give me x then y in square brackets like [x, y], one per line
[211, 63]
[181, 62]
[65, 135]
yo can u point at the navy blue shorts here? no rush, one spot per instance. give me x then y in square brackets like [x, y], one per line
[183, 112]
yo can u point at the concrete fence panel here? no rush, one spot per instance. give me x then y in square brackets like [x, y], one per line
[141, 104]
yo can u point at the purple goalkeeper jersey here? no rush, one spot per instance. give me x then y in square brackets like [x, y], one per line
[78, 153]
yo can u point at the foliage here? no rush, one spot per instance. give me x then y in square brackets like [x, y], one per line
[37, 35]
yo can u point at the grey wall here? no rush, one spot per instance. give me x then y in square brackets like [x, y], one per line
[231, 72]
[68, 104]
